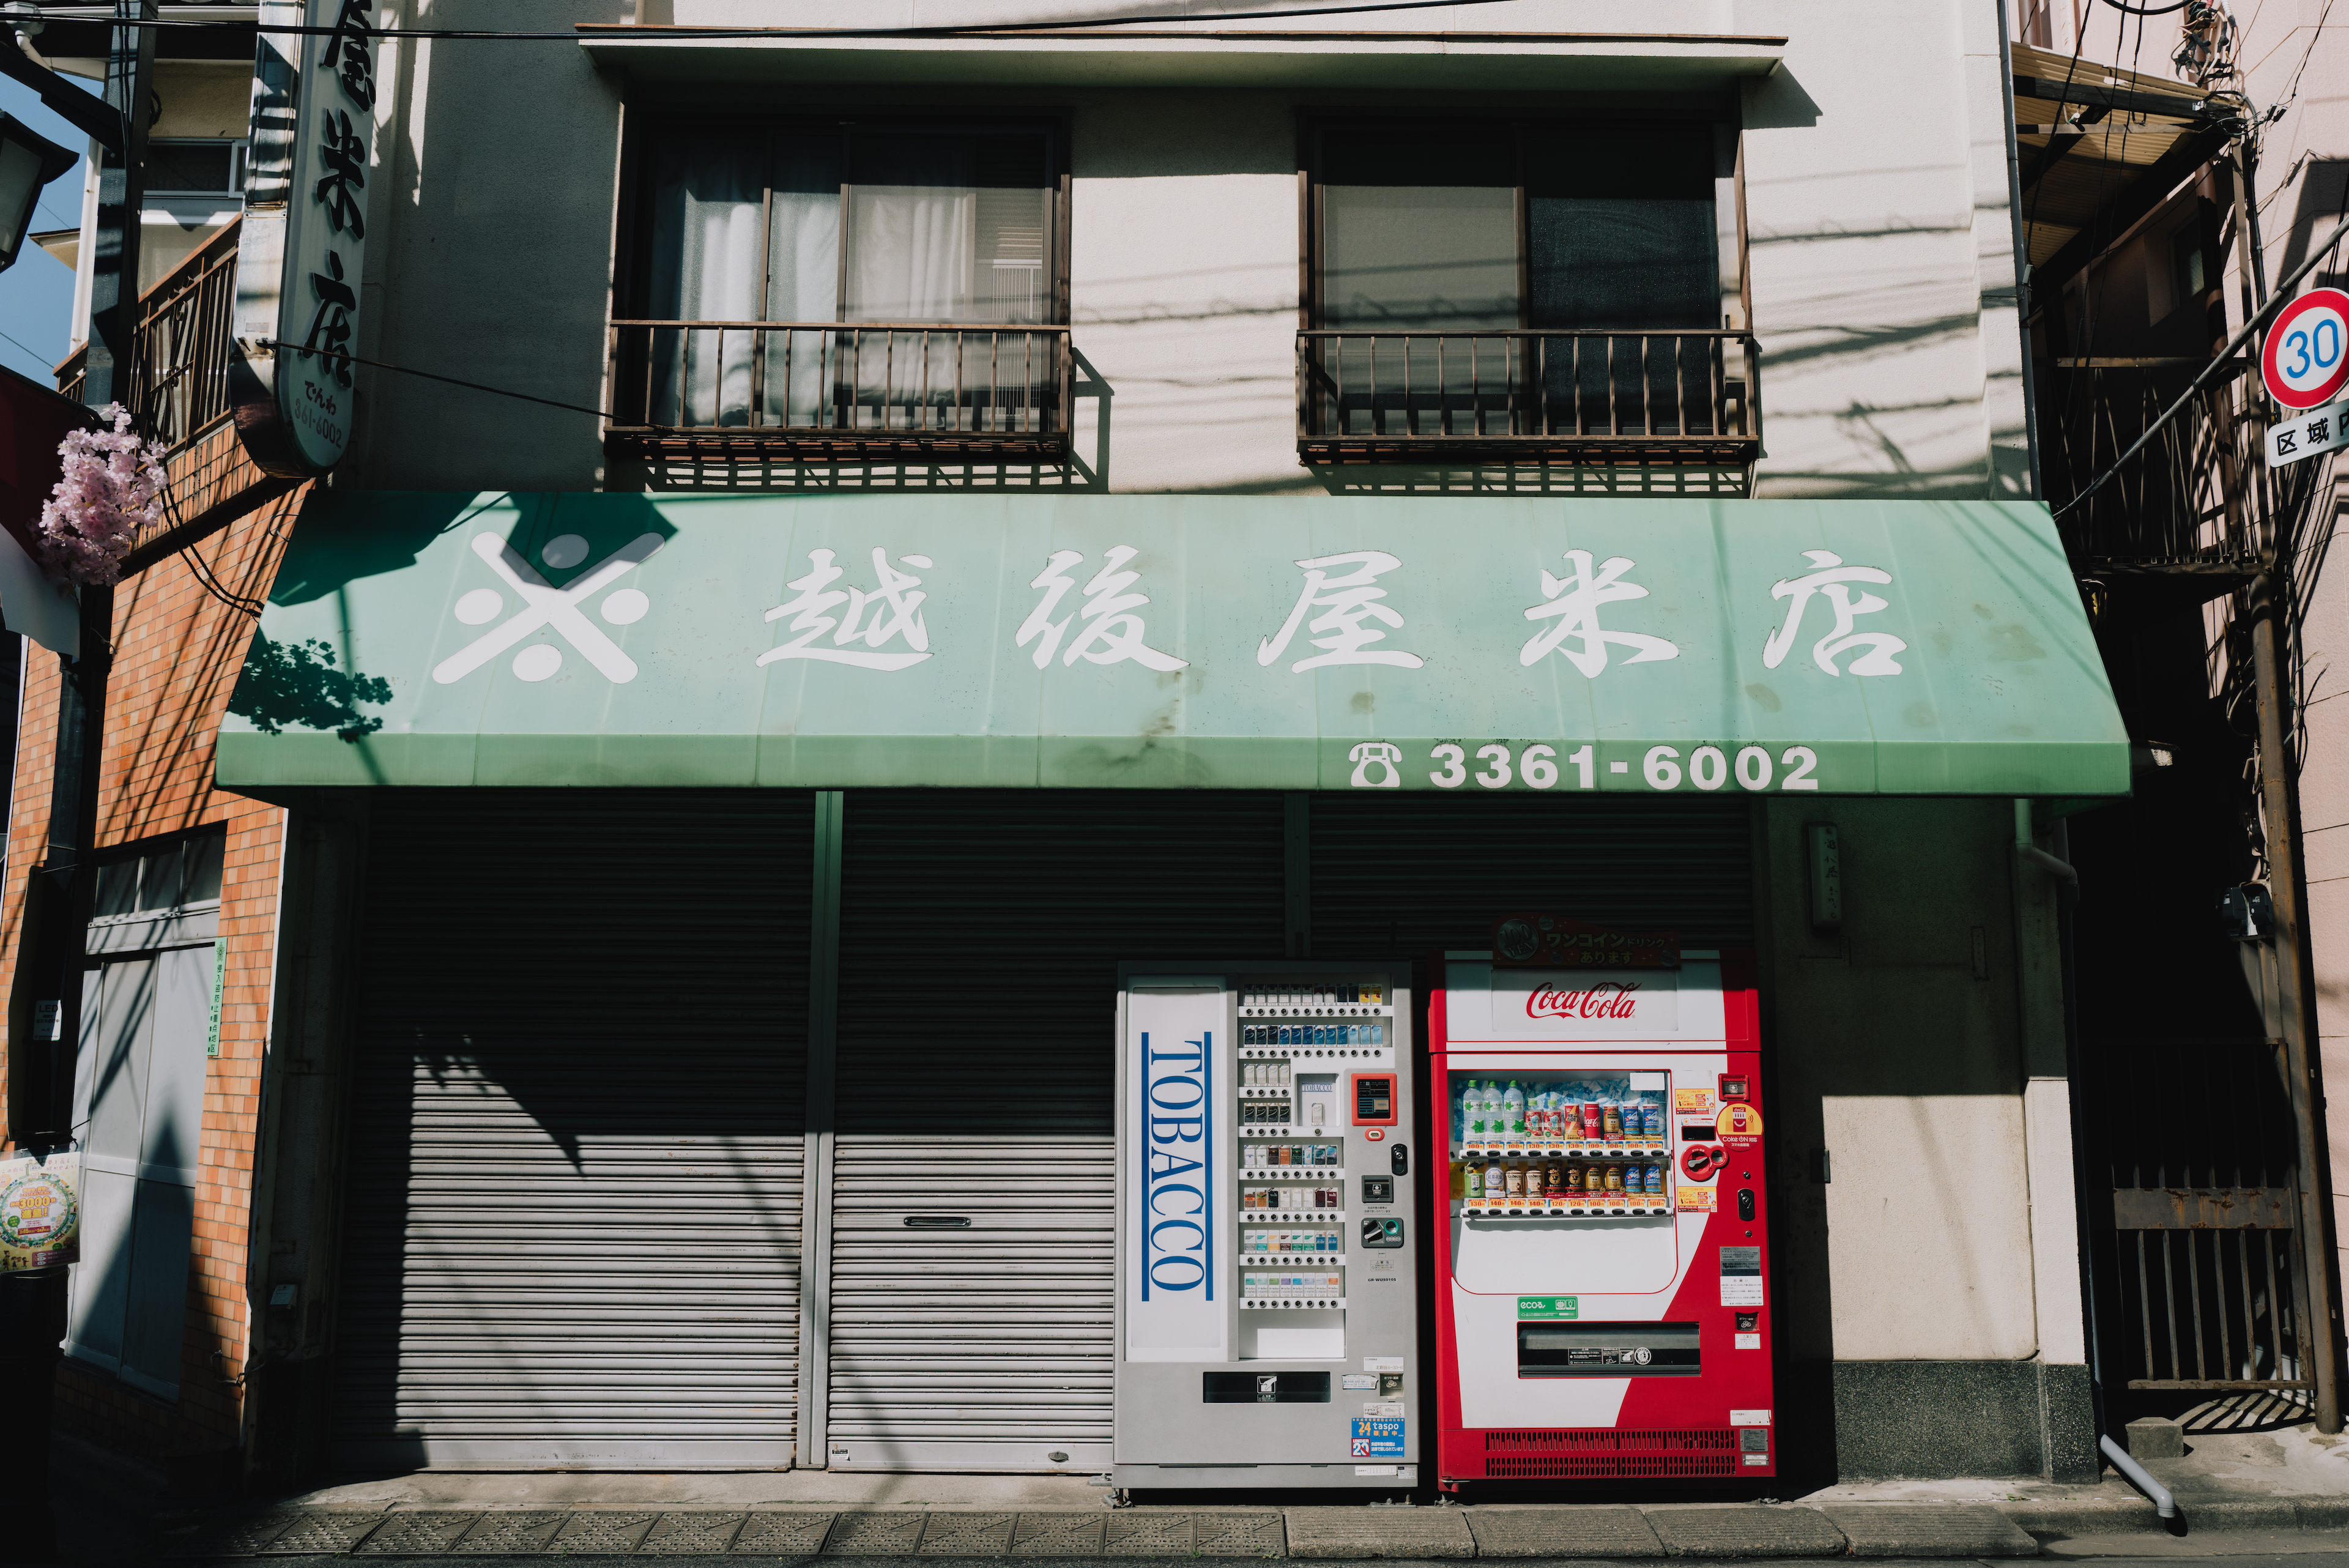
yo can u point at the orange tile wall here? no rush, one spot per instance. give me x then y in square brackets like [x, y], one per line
[178, 650]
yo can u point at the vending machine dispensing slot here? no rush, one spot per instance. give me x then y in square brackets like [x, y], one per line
[1264, 1242]
[1607, 1350]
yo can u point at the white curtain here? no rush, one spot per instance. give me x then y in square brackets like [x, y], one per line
[708, 196]
[803, 283]
[751, 228]
[912, 257]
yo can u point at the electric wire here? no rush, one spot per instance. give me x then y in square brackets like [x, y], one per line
[431, 375]
[721, 33]
[27, 348]
[2316, 36]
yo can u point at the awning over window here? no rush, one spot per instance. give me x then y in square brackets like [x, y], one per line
[1847, 647]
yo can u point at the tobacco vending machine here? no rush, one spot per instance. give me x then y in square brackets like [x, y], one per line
[1601, 1297]
[1267, 1238]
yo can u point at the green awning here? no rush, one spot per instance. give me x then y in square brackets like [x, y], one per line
[1149, 641]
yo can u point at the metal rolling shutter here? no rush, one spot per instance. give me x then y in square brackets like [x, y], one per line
[981, 936]
[1412, 874]
[572, 1233]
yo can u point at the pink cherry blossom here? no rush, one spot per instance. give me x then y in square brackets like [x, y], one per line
[113, 489]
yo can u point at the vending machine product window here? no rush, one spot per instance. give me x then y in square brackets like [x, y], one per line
[1584, 1145]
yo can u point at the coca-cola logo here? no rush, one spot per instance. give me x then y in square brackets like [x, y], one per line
[1607, 999]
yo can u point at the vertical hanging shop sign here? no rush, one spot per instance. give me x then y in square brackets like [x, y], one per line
[304, 244]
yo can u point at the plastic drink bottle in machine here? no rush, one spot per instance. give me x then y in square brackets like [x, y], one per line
[1513, 1107]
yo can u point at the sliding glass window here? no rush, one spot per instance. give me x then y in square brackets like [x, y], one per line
[1516, 278]
[845, 277]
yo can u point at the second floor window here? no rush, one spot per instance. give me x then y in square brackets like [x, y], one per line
[1516, 279]
[1533, 224]
[827, 236]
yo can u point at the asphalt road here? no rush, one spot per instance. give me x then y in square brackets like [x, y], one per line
[2311, 1548]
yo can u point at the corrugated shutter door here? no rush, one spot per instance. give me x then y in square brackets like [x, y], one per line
[1407, 875]
[572, 1234]
[980, 939]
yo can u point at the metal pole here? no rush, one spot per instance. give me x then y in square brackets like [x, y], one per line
[50, 943]
[2019, 243]
[2320, 1339]
[121, 192]
[816, 1149]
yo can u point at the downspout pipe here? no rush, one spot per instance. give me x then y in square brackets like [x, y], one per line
[2165, 1507]
[2024, 847]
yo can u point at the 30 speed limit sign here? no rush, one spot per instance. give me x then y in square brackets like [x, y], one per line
[2305, 361]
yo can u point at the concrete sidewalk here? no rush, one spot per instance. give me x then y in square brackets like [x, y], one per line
[2276, 1492]
[1555, 1532]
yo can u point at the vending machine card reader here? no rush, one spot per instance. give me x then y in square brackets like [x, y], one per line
[1266, 1240]
[1600, 1292]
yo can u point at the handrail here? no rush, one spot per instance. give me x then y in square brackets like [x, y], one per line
[1615, 395]
[962, 383]
[683, 322]
[1519, 332]
[2190, 489]
[177, 386]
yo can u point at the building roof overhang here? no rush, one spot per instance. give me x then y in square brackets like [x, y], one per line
[1201, 54]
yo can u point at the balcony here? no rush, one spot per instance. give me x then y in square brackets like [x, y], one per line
[1500, 396]
[2193, 512]
[177, 393]
[180, 349]
[831, 391]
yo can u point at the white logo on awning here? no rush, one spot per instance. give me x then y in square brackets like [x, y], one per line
[544, 605]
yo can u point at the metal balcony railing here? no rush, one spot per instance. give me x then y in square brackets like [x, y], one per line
[178, 385]
[840, 390]
[1529, 396]
[2196, 502]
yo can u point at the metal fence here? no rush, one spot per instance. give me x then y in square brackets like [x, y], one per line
[2205, 1213]
[890, 380]
[2200, 493]
[178, 383]
[1614, 390]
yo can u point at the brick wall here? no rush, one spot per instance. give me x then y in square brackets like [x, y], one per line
[179, 645]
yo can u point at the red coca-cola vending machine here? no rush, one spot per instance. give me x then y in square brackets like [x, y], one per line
[1602, 1268]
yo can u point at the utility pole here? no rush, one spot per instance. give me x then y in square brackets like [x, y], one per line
[2319, 1339]
[58, 895]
